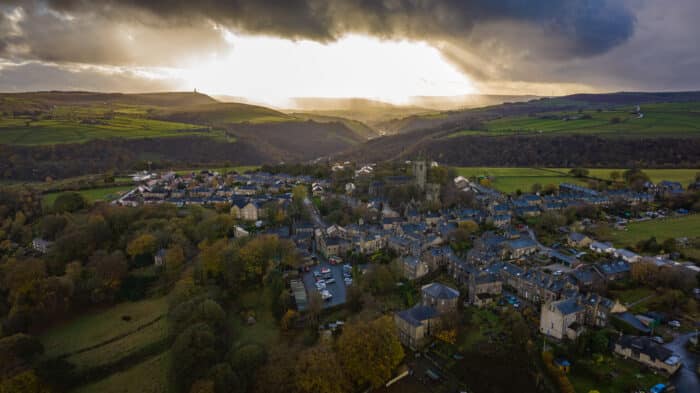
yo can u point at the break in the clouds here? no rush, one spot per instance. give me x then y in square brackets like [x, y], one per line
[502, 45]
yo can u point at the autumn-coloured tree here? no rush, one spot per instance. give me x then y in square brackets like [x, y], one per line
[174, 260]
[142, 245]
[370, 351]
[318, 371]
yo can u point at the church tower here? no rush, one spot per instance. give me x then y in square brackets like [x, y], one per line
[420, 172]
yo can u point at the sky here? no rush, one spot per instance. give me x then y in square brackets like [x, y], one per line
[272, 50]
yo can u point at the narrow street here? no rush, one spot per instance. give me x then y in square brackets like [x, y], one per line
[686, 379]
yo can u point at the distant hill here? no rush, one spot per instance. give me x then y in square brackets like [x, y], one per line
[448, 103]
[370, 112]
[360, 128]
[576, 102]
[583, 129]
[221, 114]
[40, 132]
[18, 100]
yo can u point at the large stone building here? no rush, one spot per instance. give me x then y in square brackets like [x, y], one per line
[416, 324]
[440, 296]
[563, 318]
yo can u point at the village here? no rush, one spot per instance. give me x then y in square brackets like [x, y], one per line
[486, 251]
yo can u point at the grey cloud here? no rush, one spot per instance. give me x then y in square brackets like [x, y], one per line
[34, 76]
[588, 26]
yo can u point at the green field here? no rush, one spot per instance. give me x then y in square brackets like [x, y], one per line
[687, 226]
[684, 176]
[100, 327]
[239, 169]
[92, 195]
[512, 179]
[677, 119]
[53, 131]
[118, 349]
[149, 376]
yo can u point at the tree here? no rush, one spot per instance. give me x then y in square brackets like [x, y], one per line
[193, 353]
[203, 386]
[17, 352]
[615, 176]
[25, 382]
[224, 379]
[174, 261]
[145, 244]
[579, 172]
[370, 351]
[354, 298]
[246, 360]
[289, 319]
[319, 371]
[315, 306]
[69, 202]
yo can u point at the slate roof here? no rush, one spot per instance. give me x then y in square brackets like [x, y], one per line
[647, 346]
[632, 321]
[567, 306]
[440, 291]
[418, 314]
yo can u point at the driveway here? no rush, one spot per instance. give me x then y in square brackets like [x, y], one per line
[337, 289]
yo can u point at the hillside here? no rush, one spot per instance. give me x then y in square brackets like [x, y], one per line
[370, 112]
[60, 134]
[590, 130]
[360, 128]
[221, 114]
[566, 106]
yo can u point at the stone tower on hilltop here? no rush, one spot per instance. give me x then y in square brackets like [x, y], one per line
[420, 172]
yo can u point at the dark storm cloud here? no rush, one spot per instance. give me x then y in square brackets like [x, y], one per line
[604, 44]
[588, 27]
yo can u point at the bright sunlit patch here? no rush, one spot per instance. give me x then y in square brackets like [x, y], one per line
[272, 70]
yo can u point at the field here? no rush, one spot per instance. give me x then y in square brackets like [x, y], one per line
[512, 179]
[102, 327]
[688, 226]
[684, 176]
[92, 195]
[109, 353]
[64, 130]
[149, 376]
[676, 119]
[239, 169]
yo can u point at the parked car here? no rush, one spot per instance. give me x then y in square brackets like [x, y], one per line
[658, 339]
[330, 281]
[326, 295]
[674, 324]
[325, 270]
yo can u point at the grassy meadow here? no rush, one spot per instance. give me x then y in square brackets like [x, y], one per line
[149, 376]
[72, 130]
[91, 195]
[511, 179]
[103, 327]
[686, 226]
[672, 119]
[684, 176]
